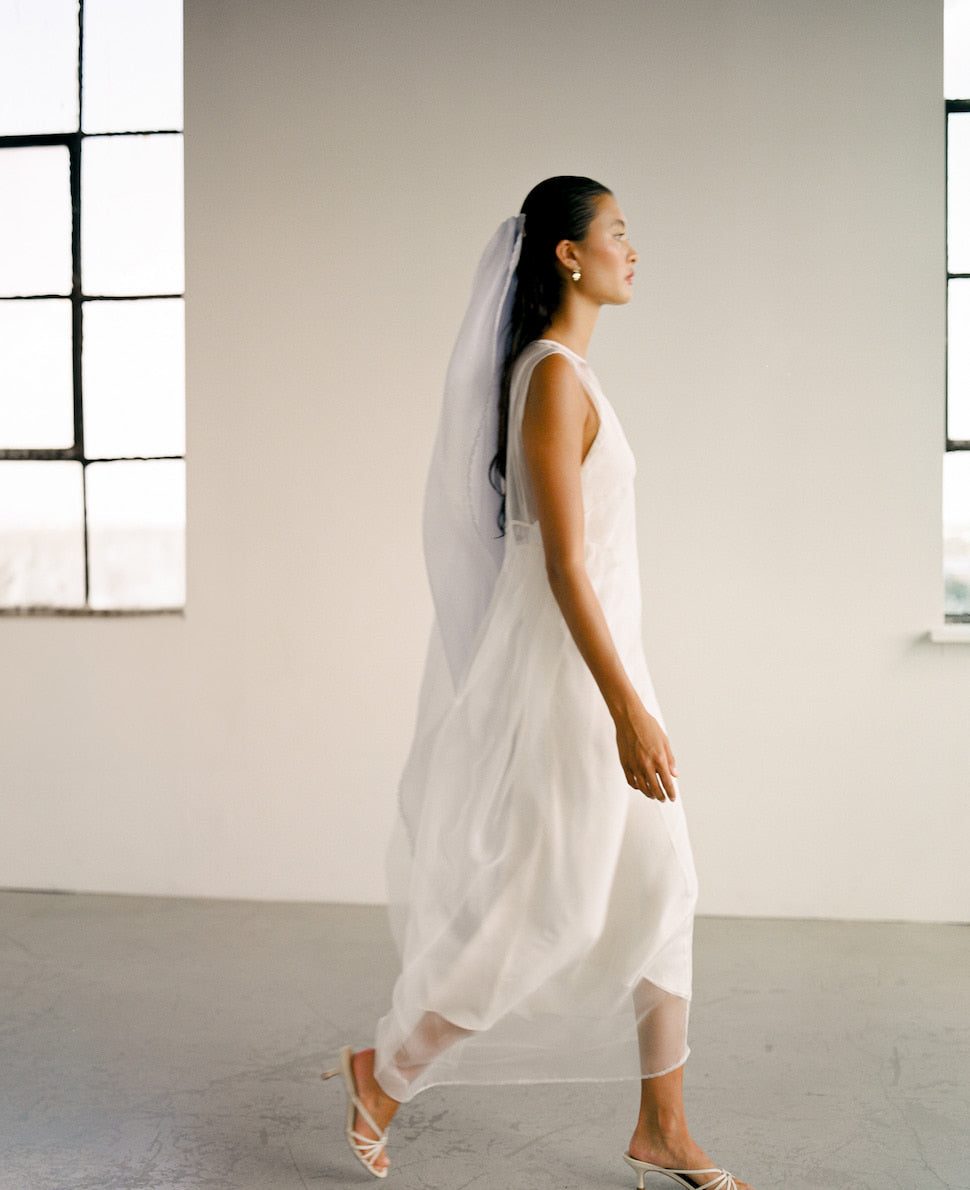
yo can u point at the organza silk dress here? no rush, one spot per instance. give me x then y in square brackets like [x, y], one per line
[542, 907]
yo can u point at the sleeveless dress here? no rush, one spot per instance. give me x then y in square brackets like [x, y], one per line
[542, 907]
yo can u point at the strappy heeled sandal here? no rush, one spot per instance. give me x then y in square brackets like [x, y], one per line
[693, 1179]
[366, 1149]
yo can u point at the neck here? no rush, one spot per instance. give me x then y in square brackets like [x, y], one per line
[573, 323]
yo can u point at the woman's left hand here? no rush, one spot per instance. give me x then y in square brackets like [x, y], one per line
[645, 753]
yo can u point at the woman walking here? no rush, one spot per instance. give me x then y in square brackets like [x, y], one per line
[542, 882]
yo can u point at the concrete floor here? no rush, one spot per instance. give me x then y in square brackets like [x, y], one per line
[177, 1044]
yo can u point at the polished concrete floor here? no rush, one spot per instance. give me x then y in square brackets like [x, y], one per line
[176, 1044]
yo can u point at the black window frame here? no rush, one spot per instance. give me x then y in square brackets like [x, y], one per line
[74, 141]
[951, 107]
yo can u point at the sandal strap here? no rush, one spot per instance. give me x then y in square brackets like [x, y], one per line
[692, 1178]
[369, 1148]
[351, 1084]
[722, 1179]
[368, 1120]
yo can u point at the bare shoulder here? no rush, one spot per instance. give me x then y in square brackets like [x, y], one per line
[554, 370]
[554, 388]
[557, 420]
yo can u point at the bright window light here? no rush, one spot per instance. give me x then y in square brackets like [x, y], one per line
[136, 527]
[41, 534]
[92, 339]
[35, 221]
[131, 215]
[958, 362]
[958, 192]
[36, 389]
[956, 465]
[956, 49]
[132, 65]
[134, 378]
[38, 66]
[956, 531]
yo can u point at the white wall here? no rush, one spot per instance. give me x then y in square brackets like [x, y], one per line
[779, 374]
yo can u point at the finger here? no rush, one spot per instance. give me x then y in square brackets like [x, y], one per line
[640, 781]
[671, 760]
[666, 782]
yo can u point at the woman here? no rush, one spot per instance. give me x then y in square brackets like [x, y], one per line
[542, 869]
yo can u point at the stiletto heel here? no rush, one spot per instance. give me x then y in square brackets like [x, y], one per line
[720, 1179]
[366, 1149]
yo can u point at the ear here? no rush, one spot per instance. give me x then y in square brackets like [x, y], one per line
[566, 255]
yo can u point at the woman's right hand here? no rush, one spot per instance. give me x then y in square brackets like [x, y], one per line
[645, 753]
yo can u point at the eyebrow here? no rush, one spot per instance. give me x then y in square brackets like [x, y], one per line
[618, 223]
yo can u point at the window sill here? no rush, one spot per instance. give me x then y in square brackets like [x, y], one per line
[950, 634]
[94, 612]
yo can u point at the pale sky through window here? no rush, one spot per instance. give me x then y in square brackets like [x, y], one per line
[132, 65]
[956, 49]
[38, 66]
[956, 490]
[35, 220]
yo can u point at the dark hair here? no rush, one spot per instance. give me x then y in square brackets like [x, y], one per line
[557, 209]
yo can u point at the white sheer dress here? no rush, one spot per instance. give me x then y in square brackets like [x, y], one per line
[542, 907]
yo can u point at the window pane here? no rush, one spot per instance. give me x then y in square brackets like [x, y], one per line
[41, 534]
[958, 361]
[132, 65]
[958, 192]
[131, 215]
[956, 531]
[136, 534]
[38, 66]
[35, 221]
[36, 375]
[956, 49]
[134, 378]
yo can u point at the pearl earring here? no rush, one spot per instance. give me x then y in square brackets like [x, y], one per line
[576, 274]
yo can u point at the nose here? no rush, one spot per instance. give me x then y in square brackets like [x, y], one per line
[632, 254]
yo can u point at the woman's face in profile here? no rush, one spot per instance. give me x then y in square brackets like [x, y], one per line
[605, 256]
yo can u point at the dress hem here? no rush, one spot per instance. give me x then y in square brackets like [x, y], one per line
[531, 1082]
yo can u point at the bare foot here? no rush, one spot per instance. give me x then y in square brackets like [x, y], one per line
[674, 1152]
[382, 1108]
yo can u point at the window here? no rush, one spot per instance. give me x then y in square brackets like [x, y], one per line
[956, 471]
[92, 423]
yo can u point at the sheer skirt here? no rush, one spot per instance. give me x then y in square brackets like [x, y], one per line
[543, 909]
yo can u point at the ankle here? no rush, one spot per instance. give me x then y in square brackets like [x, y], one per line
[663, 1127]
[384, 1102]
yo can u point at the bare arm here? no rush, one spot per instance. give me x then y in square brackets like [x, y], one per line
[557, 427]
